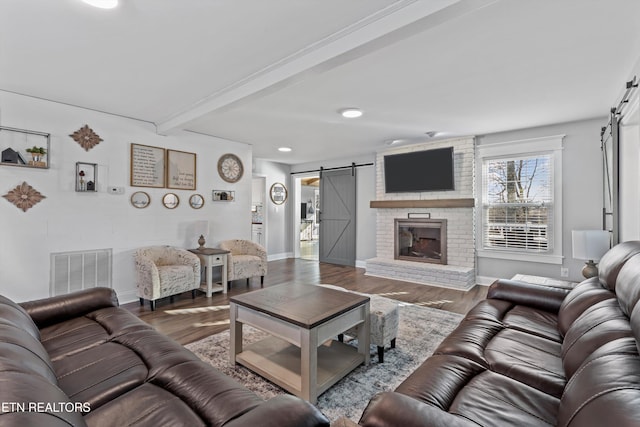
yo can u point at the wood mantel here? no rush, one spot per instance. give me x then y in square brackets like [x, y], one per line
[426, 203]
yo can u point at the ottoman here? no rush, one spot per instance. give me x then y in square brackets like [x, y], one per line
[384, 322]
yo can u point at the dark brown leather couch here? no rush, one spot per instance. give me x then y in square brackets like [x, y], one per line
[532, 355]
[81, 360]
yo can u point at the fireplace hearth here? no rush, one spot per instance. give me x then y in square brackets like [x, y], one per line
[421, 240]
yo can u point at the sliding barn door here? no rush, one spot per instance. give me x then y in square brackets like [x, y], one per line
[338, 217]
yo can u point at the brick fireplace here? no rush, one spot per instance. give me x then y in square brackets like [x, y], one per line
[454, 208]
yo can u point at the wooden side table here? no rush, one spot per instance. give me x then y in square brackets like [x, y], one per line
[211, 257]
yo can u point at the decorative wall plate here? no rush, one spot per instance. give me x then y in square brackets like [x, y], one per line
[86, 137]
[230, 167]
[24, 196]
[278, 193]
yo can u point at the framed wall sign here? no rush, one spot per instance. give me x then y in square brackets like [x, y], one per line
[278, 193]
[147, 166]
[181, 170]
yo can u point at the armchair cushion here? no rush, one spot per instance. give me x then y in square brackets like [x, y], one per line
[246, 259]
[164, 271]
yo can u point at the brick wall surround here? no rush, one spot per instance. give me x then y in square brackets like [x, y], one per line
[459, 273]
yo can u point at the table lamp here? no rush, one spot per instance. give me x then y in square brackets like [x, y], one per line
[590, 245]
[202, 229]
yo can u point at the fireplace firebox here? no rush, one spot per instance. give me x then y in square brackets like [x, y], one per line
[421, 240]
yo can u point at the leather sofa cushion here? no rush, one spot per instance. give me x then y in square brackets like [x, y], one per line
[390, 409]
[147, 405]
[605, 390]
[527, 358]
[22, 356]
[628, 288]
[213, 395]
[527, 319]
[470, 339]
[93, 329]
[491, 399]
[612, 262]
[25, 388]
[72, 336]
[598, 325]
[583, 296]
[13, 314]
[21, 352]
[533, 321]
[100, 374]
[439, 379]
[466, 390]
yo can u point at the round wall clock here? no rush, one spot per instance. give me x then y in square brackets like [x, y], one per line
[230, 167]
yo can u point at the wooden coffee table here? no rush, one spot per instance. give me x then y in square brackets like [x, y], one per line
[300, 355]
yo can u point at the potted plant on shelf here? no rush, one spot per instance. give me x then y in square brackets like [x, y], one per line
[36, 153]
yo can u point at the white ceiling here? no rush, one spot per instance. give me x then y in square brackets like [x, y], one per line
[274, 73]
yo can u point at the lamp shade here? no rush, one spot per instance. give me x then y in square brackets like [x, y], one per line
[590, 244]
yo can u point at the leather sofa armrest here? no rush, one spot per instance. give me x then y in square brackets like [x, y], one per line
[282, 411]
[390, 409]
[544, 297]
[49, 311]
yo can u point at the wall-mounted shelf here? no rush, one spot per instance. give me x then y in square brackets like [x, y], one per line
[426, 203]
[24, 148]
[86, 177]
[223, 196]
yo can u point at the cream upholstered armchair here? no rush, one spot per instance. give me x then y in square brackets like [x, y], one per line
[245, 260]
[164, 271]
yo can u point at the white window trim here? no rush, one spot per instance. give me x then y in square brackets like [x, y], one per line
[551, 145]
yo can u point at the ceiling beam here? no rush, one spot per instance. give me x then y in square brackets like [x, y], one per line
[387, 26]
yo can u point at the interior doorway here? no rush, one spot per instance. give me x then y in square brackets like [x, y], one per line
[309, 204]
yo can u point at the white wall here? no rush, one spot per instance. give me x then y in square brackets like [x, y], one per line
[582, 194]
[277, 217]
[629, 173]
[70, 221]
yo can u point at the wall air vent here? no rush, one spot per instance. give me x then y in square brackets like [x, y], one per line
[74, 271]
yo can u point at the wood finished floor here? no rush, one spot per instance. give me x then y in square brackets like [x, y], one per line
[187, 320]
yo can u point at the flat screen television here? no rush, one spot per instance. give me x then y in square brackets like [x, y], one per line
[429, 170]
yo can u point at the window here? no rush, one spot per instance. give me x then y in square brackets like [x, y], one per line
[518, 203]
[520, 200]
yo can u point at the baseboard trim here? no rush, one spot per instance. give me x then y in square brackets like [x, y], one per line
[128, 296]
[276, 257]
[485, 280]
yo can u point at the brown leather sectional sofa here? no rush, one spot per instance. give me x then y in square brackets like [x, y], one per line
[533, 355]
[79, 360]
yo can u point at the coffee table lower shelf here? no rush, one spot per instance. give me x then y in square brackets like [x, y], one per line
[280, 362]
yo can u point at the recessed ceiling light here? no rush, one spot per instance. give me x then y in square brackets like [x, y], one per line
[284, 149]
[102, 4]
[351, 113]
[395, 141]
